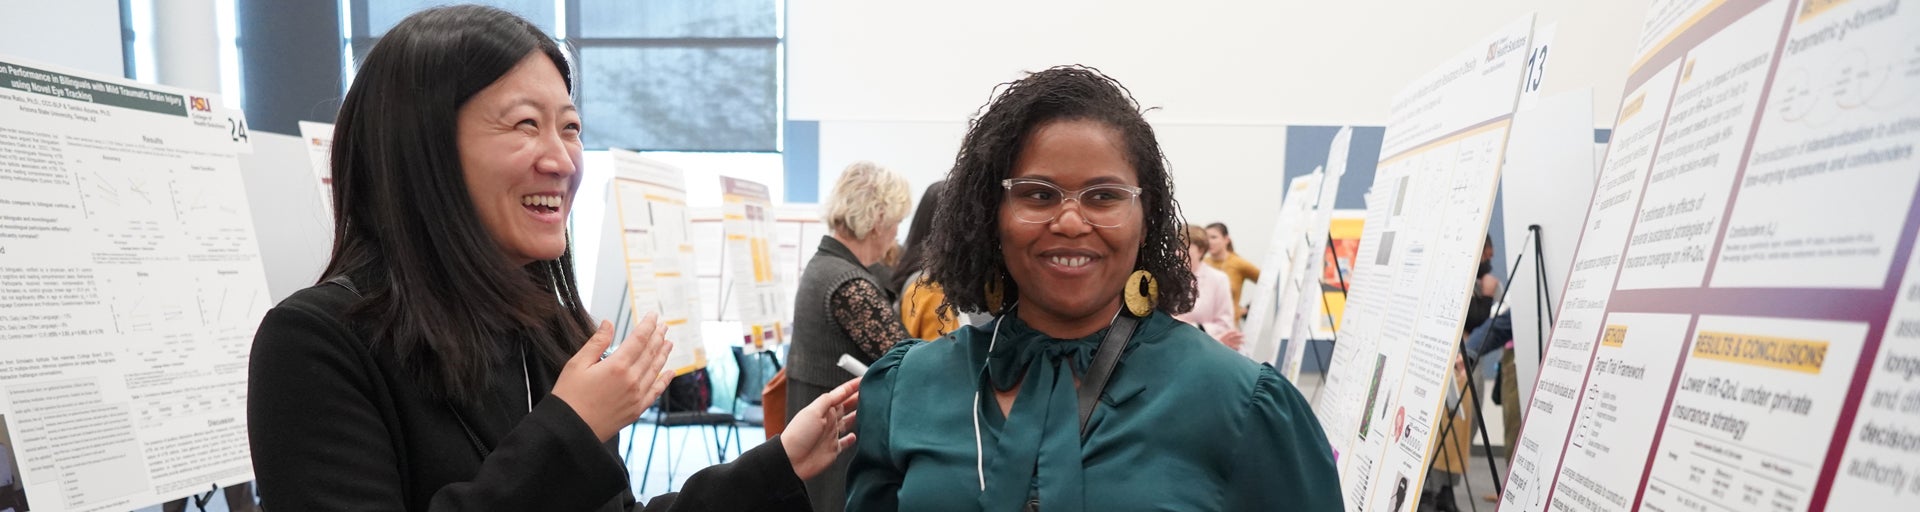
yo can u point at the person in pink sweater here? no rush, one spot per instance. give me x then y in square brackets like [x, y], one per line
[1213, 309]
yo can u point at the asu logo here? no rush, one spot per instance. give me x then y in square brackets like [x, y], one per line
[1504, 46]
[202, 104]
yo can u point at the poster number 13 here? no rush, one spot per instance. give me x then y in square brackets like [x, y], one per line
[1536, 69]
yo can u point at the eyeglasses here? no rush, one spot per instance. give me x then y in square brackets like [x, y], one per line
[1106, 205]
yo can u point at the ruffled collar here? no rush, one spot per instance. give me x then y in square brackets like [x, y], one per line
[1037, 451]
[1020, 346]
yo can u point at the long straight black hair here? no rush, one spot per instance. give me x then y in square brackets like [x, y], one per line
[439, 292]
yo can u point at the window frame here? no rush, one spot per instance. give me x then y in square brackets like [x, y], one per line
[358, 42]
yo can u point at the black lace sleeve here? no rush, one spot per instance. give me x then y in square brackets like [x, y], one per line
[862, 311]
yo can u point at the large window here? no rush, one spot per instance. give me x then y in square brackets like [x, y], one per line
[650, 75]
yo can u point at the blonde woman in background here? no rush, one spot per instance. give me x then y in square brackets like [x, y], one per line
[841, 307]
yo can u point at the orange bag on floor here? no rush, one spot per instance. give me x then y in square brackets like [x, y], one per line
[773, 404]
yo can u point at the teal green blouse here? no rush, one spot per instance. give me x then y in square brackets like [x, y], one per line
[1185, 424]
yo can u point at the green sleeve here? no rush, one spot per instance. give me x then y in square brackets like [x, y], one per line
[873, 479]
[1297, 466]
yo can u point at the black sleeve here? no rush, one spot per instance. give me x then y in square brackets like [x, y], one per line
[762, 479]
[319, 430]
[864, 313]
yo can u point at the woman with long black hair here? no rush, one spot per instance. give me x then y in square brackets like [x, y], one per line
[444, 360]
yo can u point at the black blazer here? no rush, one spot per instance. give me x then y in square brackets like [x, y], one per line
[336, 424]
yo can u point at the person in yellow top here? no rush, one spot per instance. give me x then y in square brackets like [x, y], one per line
[1220, 255]
[920, 298]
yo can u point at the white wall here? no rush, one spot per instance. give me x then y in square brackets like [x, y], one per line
[1202, 61]
[77, 34]
[895, 82]
[1222, 173]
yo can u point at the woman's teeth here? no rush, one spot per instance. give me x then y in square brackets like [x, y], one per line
[548, 201]
[1070, 261]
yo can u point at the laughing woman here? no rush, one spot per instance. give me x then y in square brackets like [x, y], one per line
[1085, 394]
[391, 385]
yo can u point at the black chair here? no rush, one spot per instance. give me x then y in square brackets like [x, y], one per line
[722, 428]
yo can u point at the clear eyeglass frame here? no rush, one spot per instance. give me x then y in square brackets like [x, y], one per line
[1104, 205]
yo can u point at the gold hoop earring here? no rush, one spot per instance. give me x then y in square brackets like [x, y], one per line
[996, 296]
[1142, 293]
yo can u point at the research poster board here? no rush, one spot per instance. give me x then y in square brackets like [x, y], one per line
[1336, 273]
[1427, 215]
[747, 211]
[1738, 331]
[798, 230]
[318, 139]
[1300, 306]
[1262, 331]
[1547, 176]
[130, 289]
[650, 201]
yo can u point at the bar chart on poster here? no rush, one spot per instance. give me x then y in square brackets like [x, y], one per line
[130, 287]
[1738, 331]
[654, 237]
[1427, 215]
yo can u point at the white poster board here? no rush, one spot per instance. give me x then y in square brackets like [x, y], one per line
[1548, 171]
[318, 139]
[1426, 219]
[1300, 308]
[756, 281]
[1263, 333]
[799, 231]
[130, 289]
[1738, 328]
[656, 252]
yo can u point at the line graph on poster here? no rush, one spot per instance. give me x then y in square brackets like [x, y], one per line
[228, 297]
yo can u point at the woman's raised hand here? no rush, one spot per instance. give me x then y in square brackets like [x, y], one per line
[822, 430]
[610, 393]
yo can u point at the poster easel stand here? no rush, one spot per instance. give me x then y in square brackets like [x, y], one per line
[1542, 298]
[1479, 420]
[200, 501]
[1541, 301]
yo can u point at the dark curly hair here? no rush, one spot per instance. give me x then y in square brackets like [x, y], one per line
[963, 253]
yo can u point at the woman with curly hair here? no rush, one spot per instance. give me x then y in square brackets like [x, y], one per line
[1084, 393]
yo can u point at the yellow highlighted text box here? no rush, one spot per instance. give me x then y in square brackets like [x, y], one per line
[1616, 336]
[1804, 356]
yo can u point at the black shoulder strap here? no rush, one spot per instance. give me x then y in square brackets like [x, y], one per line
[1103, 362]
[343, 282]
